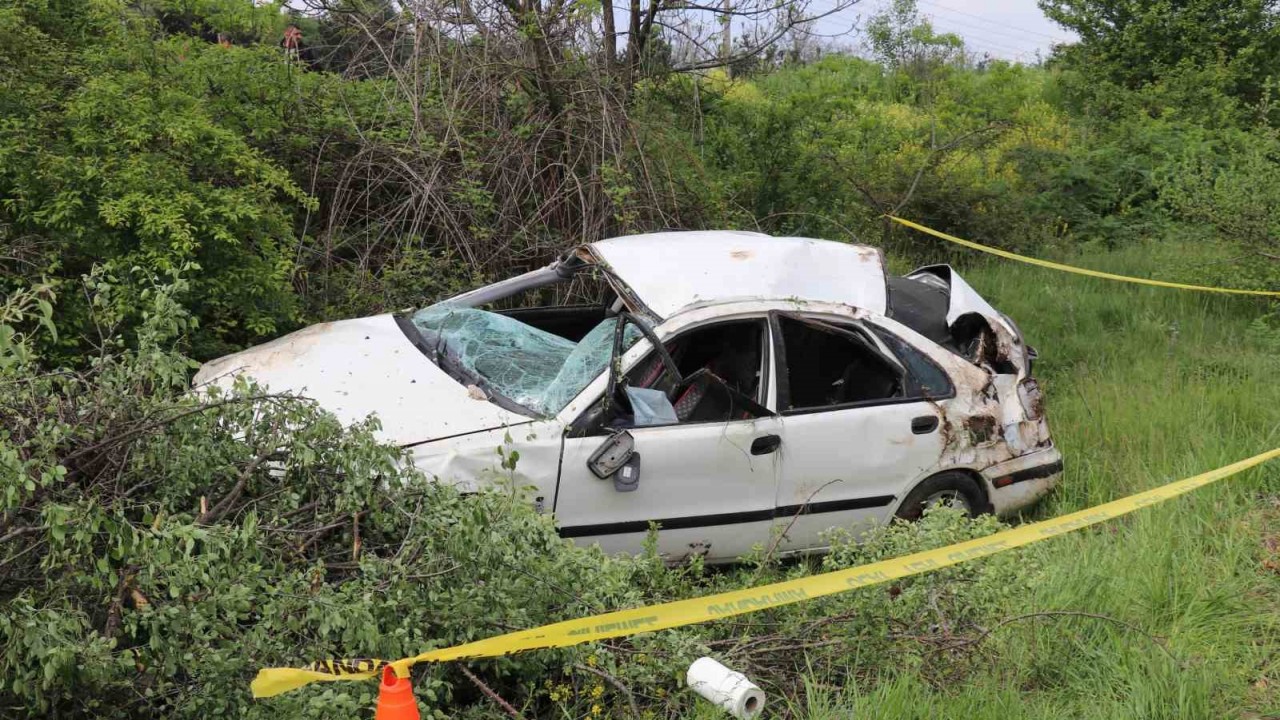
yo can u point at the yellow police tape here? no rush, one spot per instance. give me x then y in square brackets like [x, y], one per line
[273, 681]
[1073, 269]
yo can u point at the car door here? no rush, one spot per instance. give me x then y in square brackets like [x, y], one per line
[860, 427]
[707, 482]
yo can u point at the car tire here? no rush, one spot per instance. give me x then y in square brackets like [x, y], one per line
[950, 487]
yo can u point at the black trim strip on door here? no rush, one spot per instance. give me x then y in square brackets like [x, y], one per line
[694, 521]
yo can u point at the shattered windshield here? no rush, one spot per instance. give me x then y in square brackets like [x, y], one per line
[534, 368]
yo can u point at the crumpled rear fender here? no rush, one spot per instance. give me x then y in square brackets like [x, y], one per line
[992, 418]
[1003, 348]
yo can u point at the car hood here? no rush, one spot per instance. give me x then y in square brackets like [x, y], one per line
[354, 368]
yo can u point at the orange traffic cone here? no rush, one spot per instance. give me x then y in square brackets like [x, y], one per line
[395, 698]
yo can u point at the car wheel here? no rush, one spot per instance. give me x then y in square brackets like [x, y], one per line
[952, 489]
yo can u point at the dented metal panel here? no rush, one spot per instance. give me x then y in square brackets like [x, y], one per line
[1004, 348]
[671, 271]
[355, 368]
[963, 298]
[994, 422]
[473, 462]
[1041, 468]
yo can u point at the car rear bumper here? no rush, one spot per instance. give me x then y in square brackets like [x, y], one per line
[1019, 483]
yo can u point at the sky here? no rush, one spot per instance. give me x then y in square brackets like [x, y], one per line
[1006, 29]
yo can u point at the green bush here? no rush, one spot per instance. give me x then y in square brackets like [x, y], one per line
[158, 546]
[1230, 183]
[824, 149]
[111, 154]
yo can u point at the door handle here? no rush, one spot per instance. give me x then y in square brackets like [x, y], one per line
[924, 424]
[765, 444]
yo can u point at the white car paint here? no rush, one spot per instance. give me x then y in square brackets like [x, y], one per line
[835, 460]
[702, 470]
[963, 299]
[671, 271]
[857, 460]
[471, 462]
[354, 368]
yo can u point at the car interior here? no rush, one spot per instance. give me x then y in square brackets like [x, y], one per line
[830, 365]
[722, 366]
[570, 310]
[826, 365]
[571, 322]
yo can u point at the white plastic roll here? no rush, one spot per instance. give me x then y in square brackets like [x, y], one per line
[732, 691]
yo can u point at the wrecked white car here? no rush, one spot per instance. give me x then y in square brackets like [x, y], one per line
[722, 386]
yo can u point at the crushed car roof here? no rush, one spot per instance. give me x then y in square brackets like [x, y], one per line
[670, 271]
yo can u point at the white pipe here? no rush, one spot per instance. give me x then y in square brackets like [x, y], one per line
[730, 690]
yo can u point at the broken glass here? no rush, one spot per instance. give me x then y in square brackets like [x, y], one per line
[534, 368]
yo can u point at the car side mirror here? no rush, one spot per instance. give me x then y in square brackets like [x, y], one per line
[612, 454]
[617, 458]
[627, 479]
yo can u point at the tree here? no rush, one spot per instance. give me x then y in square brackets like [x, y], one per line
[1136, 42]
[902, 39]
[126, 147]
[703, 29]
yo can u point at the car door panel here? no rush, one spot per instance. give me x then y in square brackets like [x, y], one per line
[699, 482]
[849, 466]
[845, 463]
[710, 485]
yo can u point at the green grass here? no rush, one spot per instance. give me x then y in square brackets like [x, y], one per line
[1144, 386]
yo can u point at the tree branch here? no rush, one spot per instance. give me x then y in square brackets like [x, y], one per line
[489, 693]
[216, 513]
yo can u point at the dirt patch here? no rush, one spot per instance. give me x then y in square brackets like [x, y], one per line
[1270, 538]
[982, 428]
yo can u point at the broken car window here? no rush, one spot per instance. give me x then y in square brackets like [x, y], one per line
[534, 368]
[722, 369]
[924, 378]
[826, 366]
[570, 309]
[731, 350]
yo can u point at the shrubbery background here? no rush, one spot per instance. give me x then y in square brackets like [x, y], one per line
[302, 189]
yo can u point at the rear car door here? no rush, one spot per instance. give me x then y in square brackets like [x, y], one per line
[861, 425]
[707, 478]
